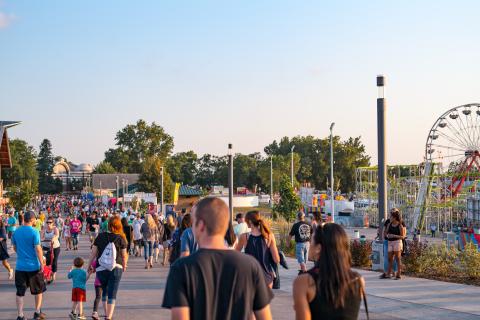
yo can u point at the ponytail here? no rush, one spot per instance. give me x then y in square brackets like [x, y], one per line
[253, 218]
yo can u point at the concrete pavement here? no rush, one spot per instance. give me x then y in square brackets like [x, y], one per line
[141, 294]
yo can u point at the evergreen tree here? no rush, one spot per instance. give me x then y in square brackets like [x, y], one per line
[45, 163]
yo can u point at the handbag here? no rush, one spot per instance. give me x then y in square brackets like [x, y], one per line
[364, 295]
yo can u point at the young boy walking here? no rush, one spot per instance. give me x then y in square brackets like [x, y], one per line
[79, 294]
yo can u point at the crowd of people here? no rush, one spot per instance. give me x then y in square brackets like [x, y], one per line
[218, 269]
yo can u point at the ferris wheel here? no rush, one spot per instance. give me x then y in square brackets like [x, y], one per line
[454, 141]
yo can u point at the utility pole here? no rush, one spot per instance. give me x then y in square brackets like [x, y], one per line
[332, 193]
[291, 166]
[230, 180]
[117, 182]
[161, 194]
[271, 181]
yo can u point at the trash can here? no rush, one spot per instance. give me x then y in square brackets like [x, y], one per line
[377, 255]
[356, 234]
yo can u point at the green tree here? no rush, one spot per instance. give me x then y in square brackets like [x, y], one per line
[182, 167]
[314, 164]
[281, 166]
[245, 170]
[150, 179]
[104, 167]
[20, 195]
[24, 161]
[45, 163]
[289, 202]
[136, 143]
[212, 170]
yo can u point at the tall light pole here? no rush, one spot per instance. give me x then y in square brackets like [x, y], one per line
[291, 166]
[271, 181]
[230, 180]
[161, 193]
[381, 149]
[117, 182]
[332, 193]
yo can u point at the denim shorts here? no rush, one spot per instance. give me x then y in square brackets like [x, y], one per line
[110, 281]
[301, 251]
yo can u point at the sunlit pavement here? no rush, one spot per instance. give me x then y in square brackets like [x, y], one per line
[141, 293]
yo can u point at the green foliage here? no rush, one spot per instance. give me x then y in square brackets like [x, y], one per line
[281, 165]
[314, 155]
[289, 202]
[469, 260]
[438, 261]
[361, 252]
[45, 164]
[182, 167]
[24, 161]
[104, 167]
[412, 262]
[281, 228]
[212, 170]
[136, 143]
[150, 179]
[20, 195]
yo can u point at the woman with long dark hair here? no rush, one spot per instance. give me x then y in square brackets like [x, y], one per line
[331, 290]
[51, 245]
[260, 244]
[128, 230]
[394, 232]
[4, 256]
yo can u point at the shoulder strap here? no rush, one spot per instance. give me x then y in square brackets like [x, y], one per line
[364, 295]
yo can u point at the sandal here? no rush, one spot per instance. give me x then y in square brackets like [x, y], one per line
[384, 276]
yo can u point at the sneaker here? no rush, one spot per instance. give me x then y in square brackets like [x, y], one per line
[95, 316]
[398, 278]
[385, 276]
[39, 316]
[81, 317]
[20, 318]
[72, 316]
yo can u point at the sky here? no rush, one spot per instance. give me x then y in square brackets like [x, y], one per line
[241, 72]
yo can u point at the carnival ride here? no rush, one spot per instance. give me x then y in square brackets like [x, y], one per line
[436, 191]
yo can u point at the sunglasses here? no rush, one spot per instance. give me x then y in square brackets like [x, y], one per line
[49, 222]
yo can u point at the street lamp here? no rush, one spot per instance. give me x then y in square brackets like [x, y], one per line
[230, 180]
[271, 181]
[332, 195]
[161, 193]
[117, 182]
[293, 147]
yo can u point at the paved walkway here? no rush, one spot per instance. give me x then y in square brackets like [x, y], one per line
[141, 293]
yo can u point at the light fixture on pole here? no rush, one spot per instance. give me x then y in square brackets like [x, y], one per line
[271, 181]
[332, 193]
[291, 166]
[161, 193]
[230, 180]
[117, 182]
[381, 149]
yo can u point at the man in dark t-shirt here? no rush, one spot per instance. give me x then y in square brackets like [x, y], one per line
[214, 282]
[302, 232]
[93, 226]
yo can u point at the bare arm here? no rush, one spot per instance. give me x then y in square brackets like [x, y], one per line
[56, 235]
[263, 314]
[273, 249]
[93, 255]
[181, 313]
[124, 259]
[300, 298]
[39, 251]
[241, 242]
[185, 254]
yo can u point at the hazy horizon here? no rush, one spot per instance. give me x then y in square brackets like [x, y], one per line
[247, 73]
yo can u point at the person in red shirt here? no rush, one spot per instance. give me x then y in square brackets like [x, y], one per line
[75, 229]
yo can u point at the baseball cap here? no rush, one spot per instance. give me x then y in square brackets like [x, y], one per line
[239, 216]
[300, 215]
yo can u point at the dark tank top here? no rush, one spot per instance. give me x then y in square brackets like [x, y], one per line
[321, 309]
[257, 247]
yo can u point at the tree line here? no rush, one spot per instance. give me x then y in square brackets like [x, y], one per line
[147, 148]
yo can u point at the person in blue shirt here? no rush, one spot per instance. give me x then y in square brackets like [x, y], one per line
[79, 290]
[29, 267]
[12, 224]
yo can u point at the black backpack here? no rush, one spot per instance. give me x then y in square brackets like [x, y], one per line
[175, 246]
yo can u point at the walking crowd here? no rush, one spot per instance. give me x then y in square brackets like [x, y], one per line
[218, 270]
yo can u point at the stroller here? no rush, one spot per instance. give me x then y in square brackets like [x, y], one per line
[47, 270]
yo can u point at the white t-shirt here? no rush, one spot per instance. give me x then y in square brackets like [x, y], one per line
[137, 225]
[241, 228]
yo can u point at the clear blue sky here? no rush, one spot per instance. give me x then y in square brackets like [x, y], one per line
[246, 72]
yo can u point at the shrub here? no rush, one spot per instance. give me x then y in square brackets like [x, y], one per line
[361, 252]
[411, 262]
[469, 261]
[438, 261]
[281, 229]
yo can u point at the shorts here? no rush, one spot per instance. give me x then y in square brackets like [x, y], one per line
[138, 243]
[32, 279]
[301, 251]
[79, 295]
[10, 234]
[395, 246]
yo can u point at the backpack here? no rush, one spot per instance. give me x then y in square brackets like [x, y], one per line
[108, 259]
[175, 246]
